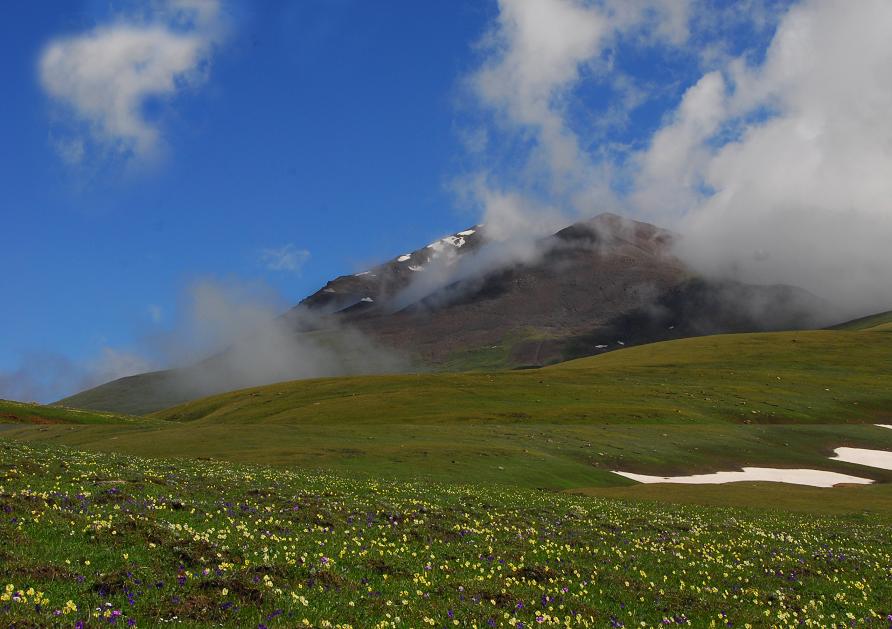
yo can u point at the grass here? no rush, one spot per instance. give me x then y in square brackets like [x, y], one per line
[529, 455]
[490, 358]
[27, 413]
[801, 377]
[879, 321]
[496, 357]
[689, 406]
[134, 395]
[110, 539]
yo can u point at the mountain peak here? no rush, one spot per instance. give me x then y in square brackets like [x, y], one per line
[612, 229]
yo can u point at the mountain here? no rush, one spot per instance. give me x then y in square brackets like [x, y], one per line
[597, 285]
[470, 300]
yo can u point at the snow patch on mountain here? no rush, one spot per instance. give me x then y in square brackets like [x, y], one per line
[440, 245]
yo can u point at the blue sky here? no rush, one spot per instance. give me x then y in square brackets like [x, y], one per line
[298, 141]
[313, 128]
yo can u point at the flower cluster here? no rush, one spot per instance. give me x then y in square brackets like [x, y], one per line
[92, 539]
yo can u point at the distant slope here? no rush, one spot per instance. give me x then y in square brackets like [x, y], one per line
[344, 353]
[685, 406]
[879, 321]
[24, 413]
[133, 395]
[815, 376]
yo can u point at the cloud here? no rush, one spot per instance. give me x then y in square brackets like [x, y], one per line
[670, 178]
[241, 327]
[781, 170]
[534, 56]
[773, 162]
[105, 77]
[70, 150]
[535, 51]
[285, 258]
[113, 363]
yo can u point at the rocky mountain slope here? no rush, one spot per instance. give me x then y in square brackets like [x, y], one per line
[594, 286]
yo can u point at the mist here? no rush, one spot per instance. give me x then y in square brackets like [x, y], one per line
[801, 193]
[225, 335]
[512, 234]
[247, 341]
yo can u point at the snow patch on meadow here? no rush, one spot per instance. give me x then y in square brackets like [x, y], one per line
[861, 456]
[813, 478]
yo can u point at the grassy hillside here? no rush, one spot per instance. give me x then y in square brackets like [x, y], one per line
[89, 540]
[12, 413]
[880, 321]
[801, 377]
[533, 455]
[133, 395]
[695, 405]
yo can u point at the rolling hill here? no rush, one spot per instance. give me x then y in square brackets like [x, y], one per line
[876, 322]
[683, 406]
[13, 414]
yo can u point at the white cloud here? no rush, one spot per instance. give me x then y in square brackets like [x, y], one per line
[775, 163]
[803, 193]
[536, 54]
[235, 331]
[70, 150]
[511, 216]
[285, 258]
[105, 76]
[670, 179]
[538, 47]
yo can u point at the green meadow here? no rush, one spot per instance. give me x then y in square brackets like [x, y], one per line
[468, 499]
[96, 539]
[679, 407]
